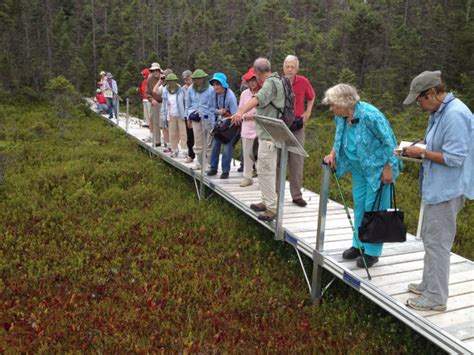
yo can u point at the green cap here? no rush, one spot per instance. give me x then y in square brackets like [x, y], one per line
[171, 77]
[199, 73]
[424, 81]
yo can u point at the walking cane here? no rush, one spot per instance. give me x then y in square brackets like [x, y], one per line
[352, 225]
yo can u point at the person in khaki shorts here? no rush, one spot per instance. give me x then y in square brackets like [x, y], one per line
[172, 110]
[268, 101]
[155, 99]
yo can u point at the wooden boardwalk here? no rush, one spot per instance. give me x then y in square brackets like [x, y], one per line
[399, 264]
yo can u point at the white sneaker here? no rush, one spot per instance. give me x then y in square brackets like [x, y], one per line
[246, 182]
[189, 160]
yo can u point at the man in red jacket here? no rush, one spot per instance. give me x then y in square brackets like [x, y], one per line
[146, 104]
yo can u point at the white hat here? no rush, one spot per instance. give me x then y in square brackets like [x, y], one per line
[155, 66]
[102, 72]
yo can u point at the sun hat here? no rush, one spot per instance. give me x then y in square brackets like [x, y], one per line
[155, 66]
[171, 77]
[250, 74]
[109, 75]
[102, 72]
[424, 81]
[221, 78]
[199, 73]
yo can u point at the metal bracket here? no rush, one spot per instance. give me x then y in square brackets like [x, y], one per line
[294, 243]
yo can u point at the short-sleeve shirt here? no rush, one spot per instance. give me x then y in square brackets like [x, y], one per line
[303, 92]
[271, 92]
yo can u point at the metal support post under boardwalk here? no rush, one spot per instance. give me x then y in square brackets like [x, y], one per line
[279, 235]
[316, 284]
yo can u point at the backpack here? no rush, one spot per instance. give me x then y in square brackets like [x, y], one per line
[288, 112]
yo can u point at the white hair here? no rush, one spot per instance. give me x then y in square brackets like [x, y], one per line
[292, 58]
[187, 73]
[262, 65]
[342, 95]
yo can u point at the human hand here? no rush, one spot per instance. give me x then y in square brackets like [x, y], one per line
[154, 102]
[387, 174]
[413, 152]
[306, 116]
[330, 159]
[236, 118]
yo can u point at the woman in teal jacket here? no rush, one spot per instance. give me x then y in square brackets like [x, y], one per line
[364, 146]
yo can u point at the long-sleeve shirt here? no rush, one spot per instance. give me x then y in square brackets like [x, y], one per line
[374, 141]
[450, 131]
[217, 103]
[248, 126]
[199, 101]
[109, 88]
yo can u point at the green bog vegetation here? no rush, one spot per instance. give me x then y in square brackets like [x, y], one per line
[104, 248]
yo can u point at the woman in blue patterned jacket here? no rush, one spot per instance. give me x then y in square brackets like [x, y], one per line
[364, 146]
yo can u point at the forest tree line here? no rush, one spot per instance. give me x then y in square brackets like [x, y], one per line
[378, 45]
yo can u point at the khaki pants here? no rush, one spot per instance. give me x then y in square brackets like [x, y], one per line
[266, 167]
[295, 168]
[155, 118]
[437, 232]
[249, 159]
[146, 111]
[198, 130]
[177, 131]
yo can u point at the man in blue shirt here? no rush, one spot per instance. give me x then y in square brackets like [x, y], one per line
[446, 180]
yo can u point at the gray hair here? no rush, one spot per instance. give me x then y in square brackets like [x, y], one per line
[342, 95]
[262, 65]
[292, 58]
[187, 74]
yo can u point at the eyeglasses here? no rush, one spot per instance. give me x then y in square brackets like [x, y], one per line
[423, 95]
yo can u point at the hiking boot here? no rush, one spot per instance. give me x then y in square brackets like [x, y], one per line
[423, 303]
[267, 216]
[211, 172]
[240, 169]
[351, 253]
[415, 288]
[369, 261]
[224, 175]
[254, 173]
[300, 202]
[246, 182]
[258, 207]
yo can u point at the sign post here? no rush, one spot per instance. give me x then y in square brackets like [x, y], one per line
[284, 139]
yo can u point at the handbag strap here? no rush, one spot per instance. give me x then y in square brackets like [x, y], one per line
[393, 197]
[378, 198]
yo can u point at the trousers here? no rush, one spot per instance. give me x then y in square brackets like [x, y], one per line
[437, 233]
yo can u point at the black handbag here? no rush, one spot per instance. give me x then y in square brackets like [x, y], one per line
[225, 131]
[383, 226]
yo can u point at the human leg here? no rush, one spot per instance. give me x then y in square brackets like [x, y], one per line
[247, 152]
[155, 115]
[215, 154]
[266, 171]
[295, 167]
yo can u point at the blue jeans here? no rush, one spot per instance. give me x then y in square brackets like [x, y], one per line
[111, 107]
[226, 154]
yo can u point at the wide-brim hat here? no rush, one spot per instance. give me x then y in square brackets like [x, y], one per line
[102, 72]
[250, 74]
[198, 73]
[221, 78]
[171, 77]
[424, 81]
[155, 66]
[109, 75]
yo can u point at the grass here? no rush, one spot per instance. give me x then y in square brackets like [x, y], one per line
[104, 249]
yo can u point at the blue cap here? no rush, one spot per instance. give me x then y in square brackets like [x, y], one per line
[221, 78]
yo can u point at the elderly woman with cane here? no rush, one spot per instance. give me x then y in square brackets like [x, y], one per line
[364, 146]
